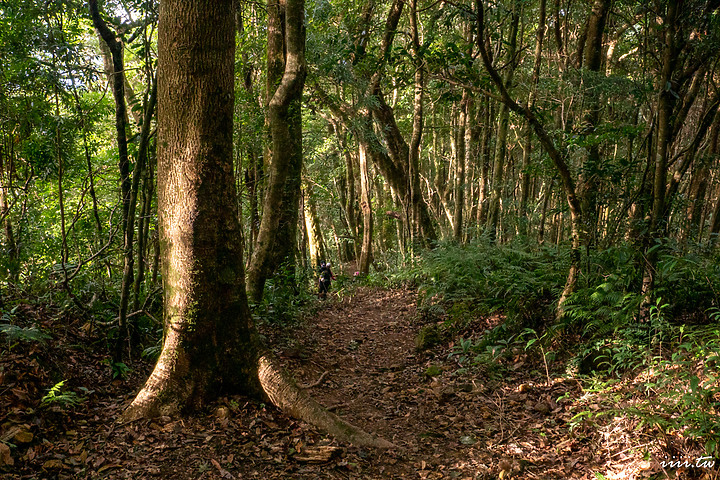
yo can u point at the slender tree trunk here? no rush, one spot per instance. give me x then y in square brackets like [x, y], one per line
[138, 172]
[527, 151]
[592, 55]
[460, 168]
[350, 195]
[365, 206]
[415, 224]
[664, 113]
[280, 207]
[498, 181]
[484, 165]
[11, 248]
[61, 190]
[314, 233]
[543, 213]
[118, 89]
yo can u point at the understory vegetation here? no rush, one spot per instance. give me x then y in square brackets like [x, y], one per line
[662, 372]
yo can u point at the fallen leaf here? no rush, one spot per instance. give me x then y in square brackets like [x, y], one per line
[5, 458]
[23, 436]
[109, 466]
[223, 473]
[53, 464]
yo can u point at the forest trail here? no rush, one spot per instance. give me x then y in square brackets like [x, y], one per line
[447, 425]
[448, 419]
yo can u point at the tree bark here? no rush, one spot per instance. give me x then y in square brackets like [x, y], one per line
[282, 196]
[365, 206]
[209, 345]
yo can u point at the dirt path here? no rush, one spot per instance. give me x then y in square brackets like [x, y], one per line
[366, 344]
[446, 425]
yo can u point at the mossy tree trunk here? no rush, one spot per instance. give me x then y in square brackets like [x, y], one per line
[286, 79]
[209, 344]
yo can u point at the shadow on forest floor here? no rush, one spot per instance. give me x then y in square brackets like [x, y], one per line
[357, 356]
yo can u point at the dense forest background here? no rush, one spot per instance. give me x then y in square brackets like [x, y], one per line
[555, 162]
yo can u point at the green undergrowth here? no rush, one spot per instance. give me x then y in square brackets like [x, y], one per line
[522, 282]
[660, 372]
[672, 394]
[290, 294]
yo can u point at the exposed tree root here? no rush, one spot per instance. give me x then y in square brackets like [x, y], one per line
[286, 395]
[158, 397]
[319, 381]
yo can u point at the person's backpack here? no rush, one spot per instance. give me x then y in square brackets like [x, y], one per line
[325, 274]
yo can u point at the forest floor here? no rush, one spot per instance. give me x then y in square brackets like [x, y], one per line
[358, 357]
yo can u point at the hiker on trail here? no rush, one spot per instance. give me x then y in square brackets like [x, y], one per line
[326, 277]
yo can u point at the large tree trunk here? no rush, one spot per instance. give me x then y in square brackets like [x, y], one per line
[209, 344]
[286, 49]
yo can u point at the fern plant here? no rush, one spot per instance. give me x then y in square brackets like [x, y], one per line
[15, 334]
[58, 395]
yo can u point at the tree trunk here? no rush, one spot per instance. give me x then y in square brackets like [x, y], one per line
[209, 345]
[527, 151]
[664, 112]
[460, 168]
[11, 249]
[484, 166]
[141, 170]
[349, 196]
[280, 206]
[413, 206]
[365, 206]
[592, 59]
[118, 89]
[498, 180]
[312, 226]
